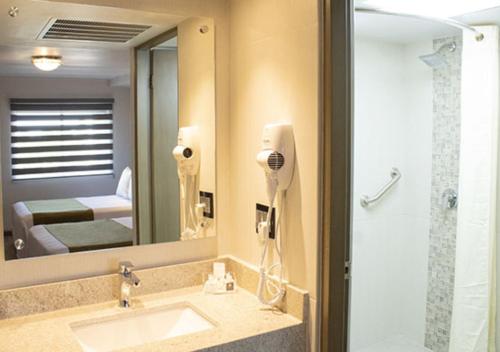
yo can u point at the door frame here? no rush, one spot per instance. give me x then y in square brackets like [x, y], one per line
[148, 45]
[336, 182]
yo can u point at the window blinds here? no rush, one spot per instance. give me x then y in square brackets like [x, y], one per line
[61, 138]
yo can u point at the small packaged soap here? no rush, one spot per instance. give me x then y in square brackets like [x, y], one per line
[219, 281]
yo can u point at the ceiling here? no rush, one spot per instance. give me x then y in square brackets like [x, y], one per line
[406, 30]
[81, 59]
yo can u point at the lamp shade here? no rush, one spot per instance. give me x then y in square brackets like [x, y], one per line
[46, 62]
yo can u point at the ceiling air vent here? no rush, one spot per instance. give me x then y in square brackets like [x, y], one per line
[92, 31]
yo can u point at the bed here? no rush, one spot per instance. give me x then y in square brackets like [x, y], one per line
[27, 214]
[77, 237]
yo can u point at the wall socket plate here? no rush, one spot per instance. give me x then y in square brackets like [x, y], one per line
[261, 215]
[207, 198]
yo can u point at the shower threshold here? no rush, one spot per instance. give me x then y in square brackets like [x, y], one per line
[395, 344]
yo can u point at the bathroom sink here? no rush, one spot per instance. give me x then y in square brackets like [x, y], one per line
[139, 327]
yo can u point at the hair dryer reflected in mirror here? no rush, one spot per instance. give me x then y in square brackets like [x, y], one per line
[187, 153]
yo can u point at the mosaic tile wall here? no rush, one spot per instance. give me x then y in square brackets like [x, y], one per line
[445, 168]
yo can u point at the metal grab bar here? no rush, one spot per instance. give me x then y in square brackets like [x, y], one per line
[366, 200]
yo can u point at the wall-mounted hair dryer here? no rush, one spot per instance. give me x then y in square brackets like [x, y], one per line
[187, 151]
[188, 156]
[277, 158]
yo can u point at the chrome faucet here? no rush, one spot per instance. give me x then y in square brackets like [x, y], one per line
[128, 280]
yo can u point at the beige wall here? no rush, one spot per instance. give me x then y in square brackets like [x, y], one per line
[274, 77]
[197, 95]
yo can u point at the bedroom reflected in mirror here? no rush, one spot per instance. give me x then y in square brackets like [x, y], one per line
[68, 186]
[83, 168]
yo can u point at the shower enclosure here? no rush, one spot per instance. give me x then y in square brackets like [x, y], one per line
[425, 182]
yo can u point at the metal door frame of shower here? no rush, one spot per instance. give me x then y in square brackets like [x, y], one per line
[336, 175]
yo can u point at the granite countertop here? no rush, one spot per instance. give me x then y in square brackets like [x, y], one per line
[239, 318]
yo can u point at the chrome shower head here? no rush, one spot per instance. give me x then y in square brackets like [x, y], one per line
[436, 59]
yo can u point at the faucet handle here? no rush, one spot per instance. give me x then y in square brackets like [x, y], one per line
[126, 268]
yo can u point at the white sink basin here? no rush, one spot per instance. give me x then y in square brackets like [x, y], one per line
[139, 327]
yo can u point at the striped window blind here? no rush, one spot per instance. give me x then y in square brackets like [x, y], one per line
[61, 138]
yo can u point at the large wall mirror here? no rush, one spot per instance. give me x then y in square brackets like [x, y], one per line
[108, 128]
[175, 80]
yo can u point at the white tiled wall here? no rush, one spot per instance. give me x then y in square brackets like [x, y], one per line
[393, 128]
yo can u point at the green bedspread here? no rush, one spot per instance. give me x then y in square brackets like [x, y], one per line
[91, 235]
[56, 211]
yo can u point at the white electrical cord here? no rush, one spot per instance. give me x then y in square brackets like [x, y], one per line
[188, 196]
[184, 189]
[276, 292]
[192, 203]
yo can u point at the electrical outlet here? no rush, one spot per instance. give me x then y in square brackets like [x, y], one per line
[261, 215]
[207, 198]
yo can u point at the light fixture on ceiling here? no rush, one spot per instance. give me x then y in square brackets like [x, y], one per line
[433, 8]
[46, 62]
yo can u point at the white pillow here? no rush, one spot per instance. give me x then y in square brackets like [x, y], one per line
[123, 184]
